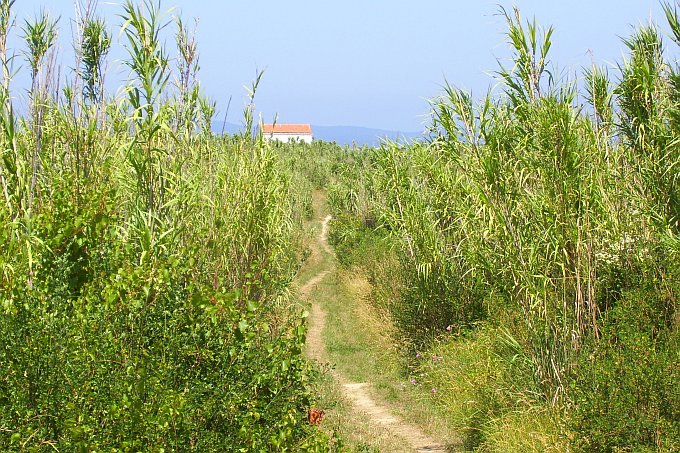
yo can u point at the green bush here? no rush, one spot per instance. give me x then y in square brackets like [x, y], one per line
[626, 389]
[145, 264]
[109, 350]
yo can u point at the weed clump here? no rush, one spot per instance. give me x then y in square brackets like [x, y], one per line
[144, 260]
[544, 232]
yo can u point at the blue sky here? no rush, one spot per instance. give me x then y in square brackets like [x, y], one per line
[366, 63]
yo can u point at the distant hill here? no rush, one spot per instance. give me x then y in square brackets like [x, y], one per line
[361, 136]
[342, 135]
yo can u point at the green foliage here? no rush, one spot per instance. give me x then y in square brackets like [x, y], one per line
[648, 97]
[544, 234]
[40, 35]
[149, 65]
[144, 276]
[96, 42]
[111, 346]
[187, 66]
[625, 387]
[484, 386]
[150, 365]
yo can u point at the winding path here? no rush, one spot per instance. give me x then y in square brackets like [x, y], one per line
[363, 403]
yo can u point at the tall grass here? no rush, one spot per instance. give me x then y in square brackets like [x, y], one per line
[144, 262]
[530, 227]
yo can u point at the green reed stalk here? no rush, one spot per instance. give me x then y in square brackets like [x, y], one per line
[149, 65]
[7, 119]
[40, 37]
[187, 67]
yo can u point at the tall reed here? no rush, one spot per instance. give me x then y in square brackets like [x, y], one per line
[530, 227]
[144, 274]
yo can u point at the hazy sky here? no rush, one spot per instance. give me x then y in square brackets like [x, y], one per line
[370, 63]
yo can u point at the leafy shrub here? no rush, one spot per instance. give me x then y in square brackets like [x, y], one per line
[144, 265]
[626, 387]
[110, 350]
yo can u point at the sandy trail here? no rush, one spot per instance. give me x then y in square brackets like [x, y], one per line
[363, 403]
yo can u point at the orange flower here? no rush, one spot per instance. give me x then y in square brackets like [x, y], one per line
[315, 416]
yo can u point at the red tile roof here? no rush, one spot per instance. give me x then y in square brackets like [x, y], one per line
[304, 129]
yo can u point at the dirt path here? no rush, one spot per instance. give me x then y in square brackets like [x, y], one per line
[364, 404]
[317, 317]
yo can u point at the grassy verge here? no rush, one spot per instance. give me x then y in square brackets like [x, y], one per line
[360, 342]
[453, 382]
[480, 394]
[362, 345]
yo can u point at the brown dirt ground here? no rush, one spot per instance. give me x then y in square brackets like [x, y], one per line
[364, 404]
